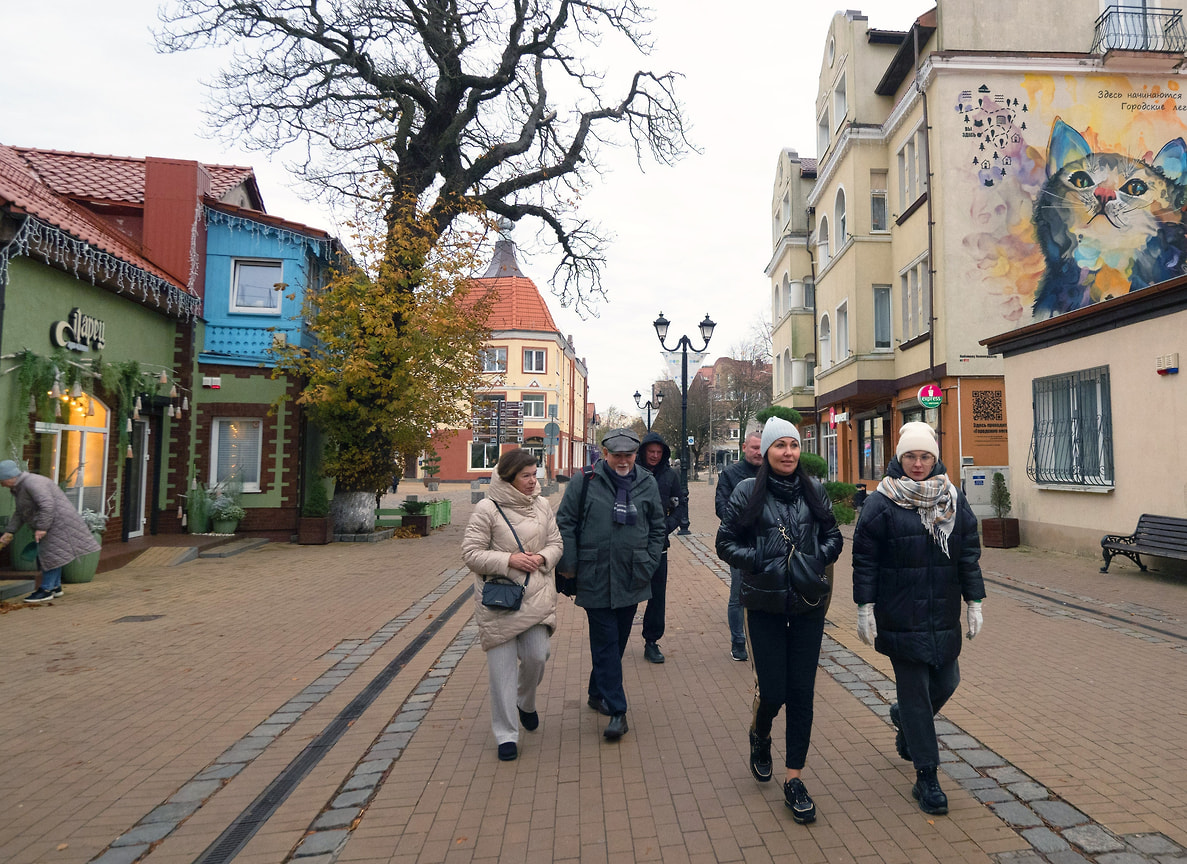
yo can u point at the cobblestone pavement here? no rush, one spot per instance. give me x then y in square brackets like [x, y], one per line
[323, 704]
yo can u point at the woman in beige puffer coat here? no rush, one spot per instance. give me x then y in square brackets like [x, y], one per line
[516, 643]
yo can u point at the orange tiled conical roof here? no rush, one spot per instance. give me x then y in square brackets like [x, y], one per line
[519, 304]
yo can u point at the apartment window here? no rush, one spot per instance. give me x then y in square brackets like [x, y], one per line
[786, 208]
[840, 105]
[533, 404]
[842, 332]
[809, 294]
[808, 438]
[533, 359]
[882, 333]
[916, 303]
[829, 444]
[786, 304]
[825, 340]
[871, 446]
[878, 220]
[235, 448]
[1072, 440]
[483, 455]
[822, 134]
[810, 362]
[912, 169]
[822, 241]
[254, 290]
[839, 218]
[494, 359]
[734, 432]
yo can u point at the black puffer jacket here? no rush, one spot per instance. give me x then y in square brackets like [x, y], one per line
[727, 481]
[669, 482]
[760, 550]
[915, 587]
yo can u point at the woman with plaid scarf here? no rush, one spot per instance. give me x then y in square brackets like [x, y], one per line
[915, 557]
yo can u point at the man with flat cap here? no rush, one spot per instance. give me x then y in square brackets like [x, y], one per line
[612, 522]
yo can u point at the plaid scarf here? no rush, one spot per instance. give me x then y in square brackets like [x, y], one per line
[934, 499]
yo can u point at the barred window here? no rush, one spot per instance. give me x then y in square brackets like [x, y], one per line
[1072, 441]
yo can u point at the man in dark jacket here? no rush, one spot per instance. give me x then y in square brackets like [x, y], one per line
[726, 481]
[654, 454]
[612, 522]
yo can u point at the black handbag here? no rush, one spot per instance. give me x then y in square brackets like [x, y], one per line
[812, 585]
[500, 592]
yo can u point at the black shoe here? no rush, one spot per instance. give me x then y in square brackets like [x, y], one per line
[760, 757]
[508, 751]
[58, 592]
[797, 799]
[928, 793]
[652, 654]
[738, 652]
[598, 705]
[900, 740]
[529, 719]
[616, 728]
[40, 596]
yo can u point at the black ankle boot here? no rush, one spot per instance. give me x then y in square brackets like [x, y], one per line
[928, 793]
[760, 757]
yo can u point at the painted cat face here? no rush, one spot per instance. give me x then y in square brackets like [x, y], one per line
[1107, 223]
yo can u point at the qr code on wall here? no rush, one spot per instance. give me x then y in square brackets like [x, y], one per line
[987, 406]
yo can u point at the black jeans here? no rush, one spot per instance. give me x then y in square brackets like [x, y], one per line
[653, 615]
[922, 691]
[785, 651]
[609, 631]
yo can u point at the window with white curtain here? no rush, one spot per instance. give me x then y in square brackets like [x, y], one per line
[236, 446]
[882, 334]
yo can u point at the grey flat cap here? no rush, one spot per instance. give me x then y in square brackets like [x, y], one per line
[621, 441]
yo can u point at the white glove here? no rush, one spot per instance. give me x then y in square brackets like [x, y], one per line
[974, 618]
[867, 629]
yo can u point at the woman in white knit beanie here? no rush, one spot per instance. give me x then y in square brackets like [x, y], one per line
[915, 557]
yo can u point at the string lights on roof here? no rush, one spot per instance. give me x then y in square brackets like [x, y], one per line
[322, 247]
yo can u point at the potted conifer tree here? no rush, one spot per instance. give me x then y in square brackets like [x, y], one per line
[999, 532]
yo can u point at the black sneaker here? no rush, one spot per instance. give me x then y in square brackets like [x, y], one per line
[797, 799]
[760, 757]
[738, 652]
[928, 793]
[58, 592]
[900, 740]
[40, 596]
[652, 654]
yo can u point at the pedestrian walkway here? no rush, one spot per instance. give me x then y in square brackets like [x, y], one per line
[322, 704]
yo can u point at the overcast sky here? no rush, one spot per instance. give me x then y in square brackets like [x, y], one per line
[688, 240]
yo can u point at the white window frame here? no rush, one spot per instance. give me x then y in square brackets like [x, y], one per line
[822, 241]
[215, 436]
[841, 329]
[878, 200]
[916, 312]
[274, 295]
[490, 454]
[912, 165]
[498, 355]
[823, 134]
[534, 399]
[883, 319]
[825, 340]
[539, 353]
[840, 102]
[840, 217]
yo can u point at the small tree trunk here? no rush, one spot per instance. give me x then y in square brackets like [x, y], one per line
[353, 512]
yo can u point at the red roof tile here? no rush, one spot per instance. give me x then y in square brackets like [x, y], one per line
[519, 305]
[23, 191]
[95, 177]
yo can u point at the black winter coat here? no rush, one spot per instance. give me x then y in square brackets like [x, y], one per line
[669, 483]
[728, 480]
[760, 550]
[915, 587]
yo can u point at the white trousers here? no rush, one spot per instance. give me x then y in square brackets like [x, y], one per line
[516, 669]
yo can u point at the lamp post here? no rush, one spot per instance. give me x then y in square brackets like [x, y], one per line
[661, 330]
[650, 405]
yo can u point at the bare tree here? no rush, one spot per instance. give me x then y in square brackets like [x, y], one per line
[442, 107]
[744, 385]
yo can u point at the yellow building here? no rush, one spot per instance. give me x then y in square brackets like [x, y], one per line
[535, 379]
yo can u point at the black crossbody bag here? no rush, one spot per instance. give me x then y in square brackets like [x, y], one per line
[499, 592]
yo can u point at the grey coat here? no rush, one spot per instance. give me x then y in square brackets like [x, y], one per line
[615, 562]
[43, 506]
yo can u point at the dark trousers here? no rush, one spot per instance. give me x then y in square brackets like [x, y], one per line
[785, 651]
[653, 615]
[609, 631]
[922, 691]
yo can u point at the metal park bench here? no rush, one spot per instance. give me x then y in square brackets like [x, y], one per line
[1160, 536]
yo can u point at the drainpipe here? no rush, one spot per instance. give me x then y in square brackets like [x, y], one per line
[809, 213]
[931, 259]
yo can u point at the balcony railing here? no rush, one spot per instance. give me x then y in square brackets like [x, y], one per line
[1134, 28]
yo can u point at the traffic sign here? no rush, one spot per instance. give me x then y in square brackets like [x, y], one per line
[552, 429]
[691, 440]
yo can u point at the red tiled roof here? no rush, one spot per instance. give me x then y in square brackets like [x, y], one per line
[22, 190]
[94, 177]
[519, 305]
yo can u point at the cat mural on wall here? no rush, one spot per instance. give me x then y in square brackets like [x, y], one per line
[1107, 223]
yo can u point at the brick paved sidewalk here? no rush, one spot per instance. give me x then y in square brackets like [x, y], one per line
[1077, 683]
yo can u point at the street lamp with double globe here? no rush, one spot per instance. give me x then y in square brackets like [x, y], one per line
[661, 330]
[650, 405]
